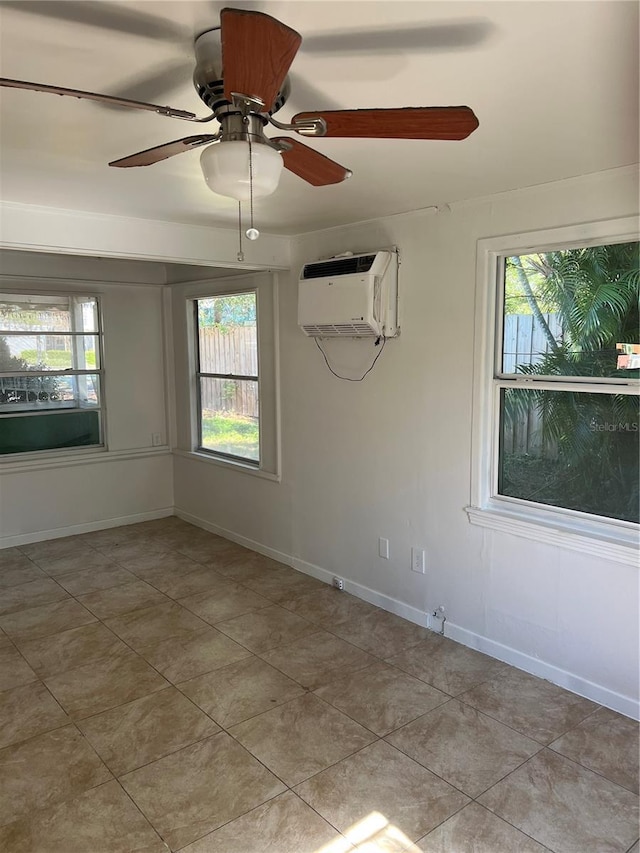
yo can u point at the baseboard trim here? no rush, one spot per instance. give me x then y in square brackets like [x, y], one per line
[280, 556]
[583, 687]
[399, 608]
[87, 527]
[576, 684]
[371, 596]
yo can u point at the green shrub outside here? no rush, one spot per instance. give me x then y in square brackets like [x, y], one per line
[54, 358]
[231, 433]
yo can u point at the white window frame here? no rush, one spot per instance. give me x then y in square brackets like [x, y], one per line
[8, 461]
[609, 538]
[265, 287]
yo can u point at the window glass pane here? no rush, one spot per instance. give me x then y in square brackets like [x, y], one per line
[229, 417]
[47, 313]
[49, 432]
[48, 352]
[228, 335]
[55, 391]
[566, 312]
[571, 449]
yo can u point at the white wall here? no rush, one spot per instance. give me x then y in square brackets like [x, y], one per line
[133, 479]
[391, 457]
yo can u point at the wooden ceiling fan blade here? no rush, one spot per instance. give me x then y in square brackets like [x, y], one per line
[433, 37]
[105, 16]
[257, 52]
[94, 96]
[403, 123]
[163, 152]
[310, 165]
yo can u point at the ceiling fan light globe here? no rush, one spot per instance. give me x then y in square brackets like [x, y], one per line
[225, 166]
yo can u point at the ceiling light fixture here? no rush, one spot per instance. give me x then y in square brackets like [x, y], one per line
[231, 169]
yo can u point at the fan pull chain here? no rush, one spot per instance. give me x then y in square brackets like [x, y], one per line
[240, 255]
[252, 233]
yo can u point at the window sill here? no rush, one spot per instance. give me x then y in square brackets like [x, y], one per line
[20, 466]
[229, 464]
[599, 539]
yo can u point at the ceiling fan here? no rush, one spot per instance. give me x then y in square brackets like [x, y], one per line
[241, 76]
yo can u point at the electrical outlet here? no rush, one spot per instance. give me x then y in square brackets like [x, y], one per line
[437, 618]
[338, 583]
[156, 439]
[383, 548]
[418, 560]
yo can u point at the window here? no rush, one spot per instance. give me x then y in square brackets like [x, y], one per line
[227, 376]
[50, 372]
[556, 407]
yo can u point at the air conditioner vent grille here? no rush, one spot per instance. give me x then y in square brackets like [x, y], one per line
[334, 330]
[339, 266]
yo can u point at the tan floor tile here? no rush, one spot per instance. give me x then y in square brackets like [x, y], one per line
[279, 584]
[46, 770]
[27, 711]
[104, 684]
[86, 559]
[68, 649]
[146, 729]
[266, 628]
[566, 807]
[238, 572]
[301, 738]
[194, 791]
[380, 835]
[102, 820]
[153, 624]
[55, 549]
[283, 825]
[167, 524]
[204, 548]
[225, 602]
[109, 537]
[132, 549]
[318, 659]
[380, 782]
[466, 748]
[187, 536]
[45, 620]
[172, 539]
[198, 581]
[160, 570]
[182, 658]
[107, 603]
[607, 743]
[14, 670]
[381, 697]
[19, 571]
[239, 691]
[449, 666]
[383, 836]
[242, 564]
[11, 557]
[530, 705]
[380, 633]
[92, 580]
[31, 594]
[328, 606]
[474, 829]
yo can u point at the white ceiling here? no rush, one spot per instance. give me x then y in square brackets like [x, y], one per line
[554, 85]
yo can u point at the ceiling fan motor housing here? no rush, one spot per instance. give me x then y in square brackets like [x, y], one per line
[208, 77]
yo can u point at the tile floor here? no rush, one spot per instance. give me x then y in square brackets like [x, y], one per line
[165, 689]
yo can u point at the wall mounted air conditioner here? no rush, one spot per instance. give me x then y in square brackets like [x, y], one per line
[350, 296]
